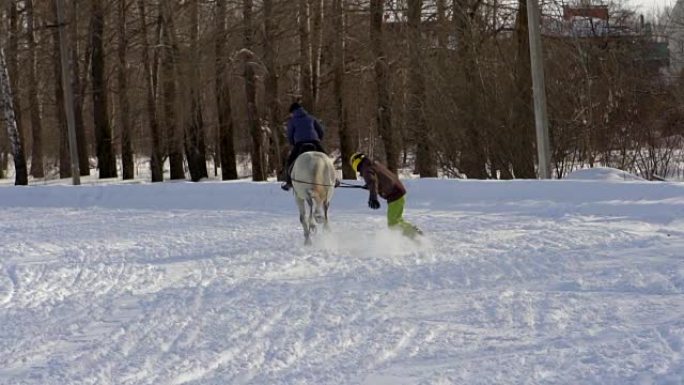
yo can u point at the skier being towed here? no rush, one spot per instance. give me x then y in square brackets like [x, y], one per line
[381, 181]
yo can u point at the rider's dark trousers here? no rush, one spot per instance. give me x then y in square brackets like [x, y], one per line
[296, 151]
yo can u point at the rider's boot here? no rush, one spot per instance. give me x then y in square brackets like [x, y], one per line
[287, 185]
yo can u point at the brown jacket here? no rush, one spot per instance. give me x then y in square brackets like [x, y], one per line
[381, 181]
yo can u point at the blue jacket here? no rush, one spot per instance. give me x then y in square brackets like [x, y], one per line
[303, 127]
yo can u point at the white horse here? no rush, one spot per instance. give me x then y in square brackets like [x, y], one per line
[313, 179]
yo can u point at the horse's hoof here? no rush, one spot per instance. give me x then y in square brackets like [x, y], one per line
[307, 242]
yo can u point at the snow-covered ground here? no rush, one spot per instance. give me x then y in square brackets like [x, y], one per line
[519, 282]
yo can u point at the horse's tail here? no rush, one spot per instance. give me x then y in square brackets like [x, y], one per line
[321, 191]
[318, 189]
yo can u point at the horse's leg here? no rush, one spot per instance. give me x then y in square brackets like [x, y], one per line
[326, 205]
[319, 211]
[302, 220]
[312, 209]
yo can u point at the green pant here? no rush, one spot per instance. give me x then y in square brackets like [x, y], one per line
[395, 218]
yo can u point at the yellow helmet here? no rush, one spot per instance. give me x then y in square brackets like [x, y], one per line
[355, 160]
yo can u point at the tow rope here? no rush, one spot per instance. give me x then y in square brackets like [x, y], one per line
[338, 184]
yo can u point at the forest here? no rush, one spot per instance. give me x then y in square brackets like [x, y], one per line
[190, 89]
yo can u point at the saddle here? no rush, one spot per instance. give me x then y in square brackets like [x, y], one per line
[306, 147]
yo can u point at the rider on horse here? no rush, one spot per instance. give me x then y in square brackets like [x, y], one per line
[305, 134]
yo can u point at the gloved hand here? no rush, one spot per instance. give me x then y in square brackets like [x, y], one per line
[373, 203]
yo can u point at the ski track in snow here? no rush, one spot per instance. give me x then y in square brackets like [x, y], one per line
[502, 291]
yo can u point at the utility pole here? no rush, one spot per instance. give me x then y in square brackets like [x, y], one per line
[539, 90]
[68, 93]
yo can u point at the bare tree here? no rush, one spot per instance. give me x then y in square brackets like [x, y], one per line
[60, 113]
[13, 64]
[156, 164]
[226, 135]
[37, 170]
[278, 147]
[258, 171]
[124, 105]
[106, 160]
[442, 27]
[425, 163]
[78, 85]
[168, 74]
[473, 157]
[381, 66]
[195, 151]
[9, 117]
[522, 122]
[316, 20]
[305, 85]
[346, 143]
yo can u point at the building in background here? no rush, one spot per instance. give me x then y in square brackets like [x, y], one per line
[675, 32]
[586, 20]
[600, 25]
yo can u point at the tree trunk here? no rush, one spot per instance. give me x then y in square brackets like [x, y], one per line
[425, 163]
[384, 113]
[473, 160]
[156, 164]
[37, 170]
[523, 118]
[195, 151]
[106, 160]
[305, 56]
[7, 108]
[226, 135]
[60, 113]
[346, 142]
[79, 91]
[4, 161]
[13, 66]
[169, 66]
[442, 30]
[316, 49]
[278, 145]
[258, 172]
[127, 166]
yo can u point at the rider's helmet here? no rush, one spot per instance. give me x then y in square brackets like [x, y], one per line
[355, 160]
